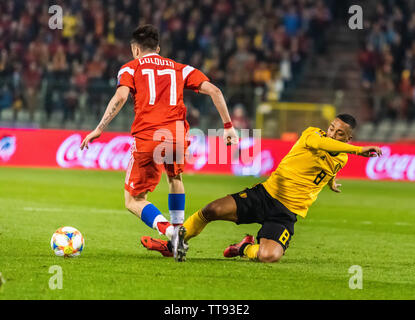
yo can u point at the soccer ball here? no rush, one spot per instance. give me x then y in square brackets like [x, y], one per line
[67, 242]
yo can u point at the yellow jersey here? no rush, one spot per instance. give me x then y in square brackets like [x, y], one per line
[307, 168]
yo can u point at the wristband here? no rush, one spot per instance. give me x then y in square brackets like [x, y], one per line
[228, 125]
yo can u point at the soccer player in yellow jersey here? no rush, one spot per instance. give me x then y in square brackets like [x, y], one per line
[313, 162]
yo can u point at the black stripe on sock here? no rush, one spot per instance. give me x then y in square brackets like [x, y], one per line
[242, 248]
[202, 217]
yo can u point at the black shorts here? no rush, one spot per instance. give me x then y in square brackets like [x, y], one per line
[256, 205]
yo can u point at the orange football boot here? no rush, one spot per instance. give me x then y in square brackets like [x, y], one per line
[162, 246]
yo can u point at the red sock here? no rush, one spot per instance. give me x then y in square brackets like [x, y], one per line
[162, 226]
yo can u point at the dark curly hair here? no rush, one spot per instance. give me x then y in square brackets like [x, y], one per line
[146, 36]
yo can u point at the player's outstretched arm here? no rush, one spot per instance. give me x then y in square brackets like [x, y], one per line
[371, 151]
[114, 106]
[230, 135]
[318, 142]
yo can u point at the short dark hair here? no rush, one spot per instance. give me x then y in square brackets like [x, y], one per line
[347, 118]
[146, 36]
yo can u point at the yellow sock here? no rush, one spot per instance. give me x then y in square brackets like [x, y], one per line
[194, 225]
[251, 251]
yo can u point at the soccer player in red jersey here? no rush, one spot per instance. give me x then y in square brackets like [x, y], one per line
[159, 129]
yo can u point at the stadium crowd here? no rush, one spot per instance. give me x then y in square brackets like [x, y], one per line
[387, 60]
[241, 45]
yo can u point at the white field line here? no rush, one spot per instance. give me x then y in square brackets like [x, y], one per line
[93, 210]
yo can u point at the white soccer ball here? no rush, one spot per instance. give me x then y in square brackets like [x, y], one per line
[67, 242]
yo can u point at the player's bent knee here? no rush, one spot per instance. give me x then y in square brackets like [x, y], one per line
[177, 178]
[270, 255]
[130, 200]
[269, 258]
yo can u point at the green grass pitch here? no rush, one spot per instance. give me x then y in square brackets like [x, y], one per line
[370, 224]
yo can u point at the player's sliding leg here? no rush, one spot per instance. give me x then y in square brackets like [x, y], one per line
[274, 238]
[221, 209]
[252, 205]
[148, 213]
[266, 251]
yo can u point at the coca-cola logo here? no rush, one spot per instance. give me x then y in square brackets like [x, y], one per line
[391, 166]
[7, 147]
[114, 154]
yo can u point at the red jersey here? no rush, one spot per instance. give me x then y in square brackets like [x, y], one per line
[156, 85]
